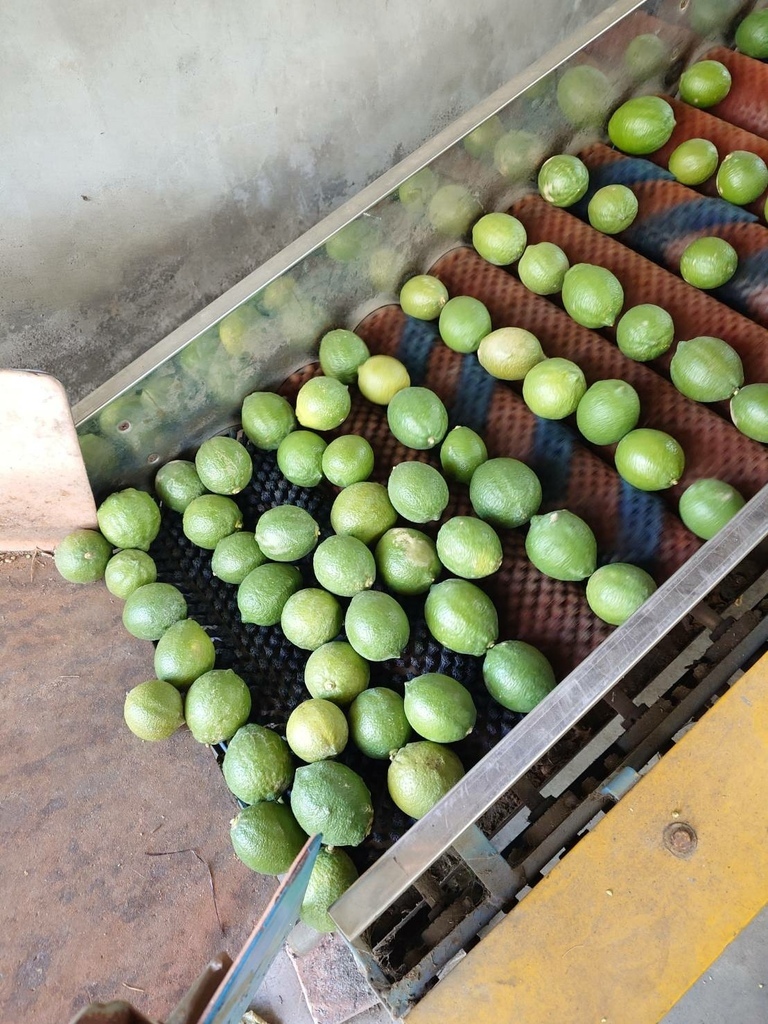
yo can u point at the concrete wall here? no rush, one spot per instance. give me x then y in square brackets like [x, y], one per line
[155, 153]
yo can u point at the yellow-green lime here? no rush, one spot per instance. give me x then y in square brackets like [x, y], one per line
[505, 492]
[152, 609]
[177, 483]
[387, 267]
[223, 465]
[316, 730]
[310, 618]
[462, 451]
[347, 460]
[705, 83]
[752, 35]
[542, 268]
[707, 505]
[331, 799]
[278, 294]
[267, 418]
[417, 418]
[439, 708]
[706, 369]
[352, 240]
[336, 672]
[645, 332]
[464, 322]
[331, 876]
[693, 161]
[341, 353]
[82, 556]
[266, 837]
[128, 570]
[452, 210]
[257, 765]
[286, 533]
[323, 403]
[420, 774]
[236, 328]
[418, 492]
[417, 190]
[641, 125]
[561, 545]
[481, 141]
[563, 180]
[509, 353]
[553, 388]
[616, 591]
[263, 593]
[612, 209]
[344, 565]
[153, 710]
[235, 556]
[184, 653]
[381, 377]
[461, 617]
[592, 295]
[584, 96]
[646, 55]
[607, 411]
[517, 154]
[422, 297]
[217, 704]
[749, 411]
[407, 560]
[470, 548]
[742, 177]
[650, 460]
[708, 262]
[376, 626]
[364, 511]
[129, 519]
[517, 675]
[377, 723]
[210, 518]
[300, 458]
[499, 238]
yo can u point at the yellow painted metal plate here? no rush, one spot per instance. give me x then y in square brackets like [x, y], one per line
[622, 927]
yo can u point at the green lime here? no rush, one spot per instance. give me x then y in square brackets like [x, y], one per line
[316, 730]
[377, 723]
[153, 710]
[439, 708]
[592, 295]
[562, 546]
[706, 369]
[407, 560]
[236, 329]
[310, 618]
[267, 418]
[278, 294]
[184, 652]
[470, 548]
[286, 533]
[542, 268]
[235, 556]
[323, 403]
[707, 505]
[150, 610]
[420, 774]
[344, 565]
[641, 125]
[645, 332]
[331, 876]
[505, 492]
[347, 460]
[452, 210]
[693, 161]
[387, 267]
[210, 518]
[481, 141]
[705, 83]
[616, 591]
[331, 799]
[129, 519]
[352, 240]
[509, 353]
[341, 353]
[223, 465]
[300, 458]
[364, 511]
[82, 556]
[752, 35]
[218, 703]
[612, 209]
[418, 492]
[517, 154]
[517, 675]
[646, 55]
[266, 837]
[336, 672]
[649, 459]
[417, 418]
[499, 238]
[708, 262]
[257, 765]
[584, 96]
[381, 377]
[463, 323]
[128, 570]
[563, 180]
[177, 483]
[462, 451]
[608, 410]
[742, 177]
[422, 297]
[708, 17]
[553, 388]
[461, 617]
[263, 593]
[749, 411]
[376, 626]
[417, 190]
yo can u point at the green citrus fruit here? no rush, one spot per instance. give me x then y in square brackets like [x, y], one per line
[381, 377]
[709, 17]
[217, 704]
[705, 83]
[505, 492]
[616, 591]
[646, 55]
[331, 876]
[316, 730]
[407, 560]
[452, 210]
[509, 353]
[561, 545]
[742, 177]
[417, 190]
[418, 492]
[286, 533]
[439, 708]
[257, 765]
[641, 125]
[267, 418]
[223, 465]
[752, 35]
[263, 593]
[563, 180]
[336, 672]
[420, 774]
[517, 154]
[749, 411]
[462, 451]
[608, 410]
[323, 403]
[129, 519]
[612, 209]
[461, 617]
[278, 294]
[708, 262]
[387, 267]
[310, 618]
[706, 369]
[376, 626]
[352, 240]
[331, 799]
[266, 837]
[542, 268]
[553, 388]
[645, 332]
[82, 556]
[344, 565]
[481, 141]
[153, 710]
[364, 511]
[236, 329]
[423, 296]
[347, 460]
[150, 610]
[300, 458]
[463, 323]
[128, 570]
[584, 96]
[377, 723]
[470, 548]
[235, 556]
[177, 483]
[707, 505]
[184, 652]
[417, 418]
[499, 238]
[341, 353]
[693, 161]
[592, 295]
[517, 675]
[649, 459]
[210, 518]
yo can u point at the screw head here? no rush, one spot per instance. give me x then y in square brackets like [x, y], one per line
[680, 838]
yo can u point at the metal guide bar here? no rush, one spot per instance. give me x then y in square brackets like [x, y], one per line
[429, 837]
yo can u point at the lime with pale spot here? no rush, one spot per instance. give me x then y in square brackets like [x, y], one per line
[617, 590]
[420, 774]
[128, 570]
[310, 618]
[453, 209]
[563, 180]
[377, 723]
[333, 873]
[645, 332]
[336, 672]
[266, 837]
[267, 418]
[217, 704]
[300, 458]
[542, 268]
[286, 533]
[184, 653]
[708, 262]
[650, 460]
[464, 322]
[607, 411]
[707, 505]
[553, 388]
[752, 35]
[517, 675]
[129, 519]
[742, 177]
[612, 209]
[509, 353]
[439, 708]
[561, 545]
[469, 547]
[223, 465]
[417, 418]
[462, 451]
[407, 560]
[257, 765]
[592, 295]
[381, 377]
[461, 617]
[376, 626]
[418, 492]
[82, 556]
[499, 238]
[641, 125]
[693, 161]
[344, 565]
[177, 483]
[364, 511]
[423, 296]
[323, 403]
[341, 353]
[150, 610]
[706, 369]
[749, 411]
[584, 95]
[262, 595]
[210, 518]
[153, 710]
[235, 556]
[347, 460]
[705, 83]
[505, 492]
[316, 730]
[330, 798]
